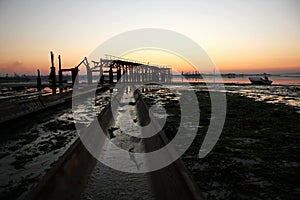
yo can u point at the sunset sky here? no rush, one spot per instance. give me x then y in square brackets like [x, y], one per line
[239, 36]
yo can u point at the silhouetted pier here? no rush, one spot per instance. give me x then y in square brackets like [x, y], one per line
[130, 71]
[116, 68]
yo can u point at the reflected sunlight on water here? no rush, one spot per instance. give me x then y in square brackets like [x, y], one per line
[284, 90]
[277, 80]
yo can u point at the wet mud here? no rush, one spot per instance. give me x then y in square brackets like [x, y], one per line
[257, 155]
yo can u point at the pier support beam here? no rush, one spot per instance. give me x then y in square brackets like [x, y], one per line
[111, 75]
[39, 81]
[60, 77]
[89, 73]
[52, 76]
[74, 72]
[118, 73]
[101, 75]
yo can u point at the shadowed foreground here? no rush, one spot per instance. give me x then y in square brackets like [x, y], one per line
[257, 155]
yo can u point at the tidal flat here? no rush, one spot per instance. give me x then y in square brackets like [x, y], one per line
[30, 147]
[257, 155]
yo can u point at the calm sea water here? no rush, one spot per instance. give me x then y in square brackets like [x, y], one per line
[277, 80]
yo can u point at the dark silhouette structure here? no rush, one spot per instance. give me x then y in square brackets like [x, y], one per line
[114, 67]
[52, 76]
[39, 81]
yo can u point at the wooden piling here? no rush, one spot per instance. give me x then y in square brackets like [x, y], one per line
[52, 77]
[111, 75]
[39, 81]
[60, 77]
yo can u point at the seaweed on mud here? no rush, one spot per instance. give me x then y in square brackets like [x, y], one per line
[53, 143]
[22, 159]
[60, 125]
[256, 156]
[24, 139]
[15, 191]
[256, 138]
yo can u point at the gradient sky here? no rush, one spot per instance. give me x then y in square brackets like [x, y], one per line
[239, 36]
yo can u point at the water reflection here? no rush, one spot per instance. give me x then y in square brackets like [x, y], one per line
[288, 95]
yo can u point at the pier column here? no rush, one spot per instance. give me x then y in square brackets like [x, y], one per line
[143, 75]
[74, 72]
[127, 75]
[101, 74]
[162, 76]
[111, 75]
[124, 73]
[39, 81]
[52, 76]
[146, 74]
[131, 74]
[154, 75]
[118, 73]
[149, 75]
[138, 75]
[60, 78]
[89, 73]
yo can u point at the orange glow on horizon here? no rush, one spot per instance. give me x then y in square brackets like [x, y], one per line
[177, 64]
[28, 64]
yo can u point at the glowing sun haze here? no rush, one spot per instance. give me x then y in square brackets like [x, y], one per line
[239, 36]
[163, 58]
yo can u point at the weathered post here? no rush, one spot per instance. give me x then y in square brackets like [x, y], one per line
[150, 74]
[162, 75]
[146, 74]
[111, 75]
[134, 74]
[60, 77]
[143, 74]
[101, 74]
[118, 73]
[138, 74]
[74, 72]
[127, 75]
[39, 81]
[89, 73]
[124, 73]
[52, 76]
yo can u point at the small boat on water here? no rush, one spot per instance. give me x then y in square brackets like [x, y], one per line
[257, 80]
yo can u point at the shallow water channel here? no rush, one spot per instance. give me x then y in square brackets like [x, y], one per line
[108, 183]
